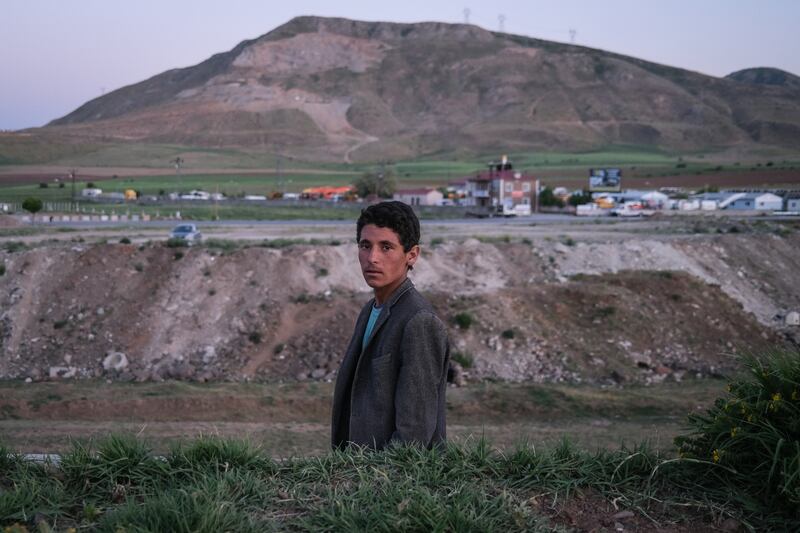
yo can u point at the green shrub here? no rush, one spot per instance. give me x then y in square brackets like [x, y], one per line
[2, 269]
[58, 324]
[605, 311]
[14, 246]
[225, 245]
[302, 298]
[254, 337]
[175, 243]
[464, 359]
[178, 255]
[747, 446]
[464, 320]
[125, 240]
[508, 334]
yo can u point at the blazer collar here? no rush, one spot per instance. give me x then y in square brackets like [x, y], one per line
[401, 290]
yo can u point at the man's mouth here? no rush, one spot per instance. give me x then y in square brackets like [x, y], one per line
[372, 272]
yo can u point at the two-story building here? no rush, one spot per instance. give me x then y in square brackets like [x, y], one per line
[500, 186]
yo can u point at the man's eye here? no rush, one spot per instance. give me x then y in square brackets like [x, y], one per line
[386, 247]
[363, 246]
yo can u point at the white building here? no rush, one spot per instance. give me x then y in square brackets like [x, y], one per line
[758, 201]
[91, 192]
[422, 196]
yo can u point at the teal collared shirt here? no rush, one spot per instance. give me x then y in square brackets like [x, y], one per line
[373, 317]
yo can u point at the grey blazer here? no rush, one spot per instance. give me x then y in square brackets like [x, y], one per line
[393, 390]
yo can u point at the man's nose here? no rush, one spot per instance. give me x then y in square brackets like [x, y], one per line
[373, 255]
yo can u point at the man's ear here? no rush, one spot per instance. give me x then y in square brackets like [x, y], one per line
[412, 255]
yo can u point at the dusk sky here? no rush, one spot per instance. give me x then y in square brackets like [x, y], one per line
[58, 54]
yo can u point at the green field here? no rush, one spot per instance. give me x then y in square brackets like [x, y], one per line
[263, 173]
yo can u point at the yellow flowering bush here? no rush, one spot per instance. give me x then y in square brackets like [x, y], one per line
[750, 439]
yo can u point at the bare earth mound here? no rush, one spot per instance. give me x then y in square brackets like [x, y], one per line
[644, 310]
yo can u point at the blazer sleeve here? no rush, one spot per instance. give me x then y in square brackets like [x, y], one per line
[424, 348]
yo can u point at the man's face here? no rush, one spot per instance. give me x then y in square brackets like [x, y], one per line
[384, 264]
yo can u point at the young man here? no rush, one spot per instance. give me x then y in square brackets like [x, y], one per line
[391, 384]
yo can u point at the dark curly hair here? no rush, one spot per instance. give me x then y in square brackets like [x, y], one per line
[396, 216]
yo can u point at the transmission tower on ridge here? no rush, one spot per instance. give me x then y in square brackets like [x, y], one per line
[467, 13]
[572, 33]
[501, 19]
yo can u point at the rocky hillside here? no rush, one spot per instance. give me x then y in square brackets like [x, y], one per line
[545, 310]
[766, 76]
[336, 89]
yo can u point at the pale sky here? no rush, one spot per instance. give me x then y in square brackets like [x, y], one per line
[57, 54]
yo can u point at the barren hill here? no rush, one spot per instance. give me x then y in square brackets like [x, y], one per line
[766, 76]
[334, 89]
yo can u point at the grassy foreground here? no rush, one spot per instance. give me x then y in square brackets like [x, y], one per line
[224, 485]
[739, 467]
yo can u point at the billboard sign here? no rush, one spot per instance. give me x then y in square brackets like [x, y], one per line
[605, 180]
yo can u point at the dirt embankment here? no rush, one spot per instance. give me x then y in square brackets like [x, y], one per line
[641, 310]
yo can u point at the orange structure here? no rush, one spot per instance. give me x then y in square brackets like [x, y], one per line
[328, 193]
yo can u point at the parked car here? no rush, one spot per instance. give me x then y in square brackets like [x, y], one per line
[186, 232]
[196, 195]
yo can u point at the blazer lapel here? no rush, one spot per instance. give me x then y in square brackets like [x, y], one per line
[348, 363]
[387, 311]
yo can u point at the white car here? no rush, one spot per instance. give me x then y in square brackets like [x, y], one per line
[196, 195]
[186, 232]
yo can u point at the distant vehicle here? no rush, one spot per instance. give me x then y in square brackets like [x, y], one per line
[291, 196]
[196, 195]
[505, 210]
[632, 211]
[255, 197]
[186, 232]
[502, 210]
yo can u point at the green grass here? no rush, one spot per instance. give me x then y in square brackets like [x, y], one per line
[213, 484]
[118, 483]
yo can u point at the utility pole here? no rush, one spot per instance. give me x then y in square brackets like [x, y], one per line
[572, 33]
[280, 181]
[501, 19]
[74, 200]
[178, 161]
[466, 15]
[379, 185]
